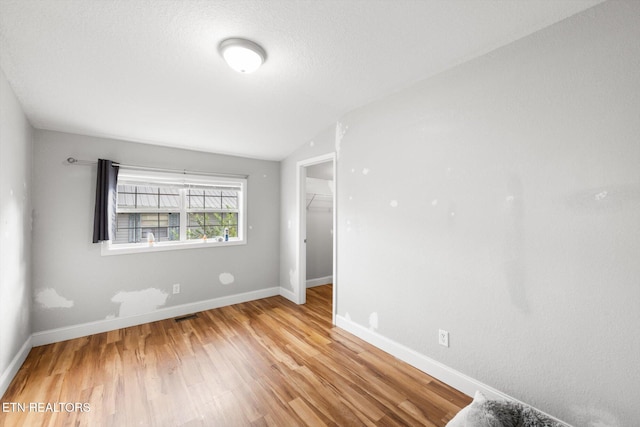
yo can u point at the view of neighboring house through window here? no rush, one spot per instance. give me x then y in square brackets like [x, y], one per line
[145, 209]
[177, 211]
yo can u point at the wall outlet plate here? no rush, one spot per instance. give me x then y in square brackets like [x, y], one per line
[443, 337]
[176, 288]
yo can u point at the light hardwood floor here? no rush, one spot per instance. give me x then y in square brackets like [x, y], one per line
[263, 363]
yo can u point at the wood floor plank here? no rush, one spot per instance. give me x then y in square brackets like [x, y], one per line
[306, 413]
[263, 363]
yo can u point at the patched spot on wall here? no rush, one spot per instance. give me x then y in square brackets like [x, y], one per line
[393, 204]
[373, 321]
[293, 279]
[340, 131]
[139, 302]
[452, 210]
[601, 195]
[226, 278]
[365, 171]
[49, 298]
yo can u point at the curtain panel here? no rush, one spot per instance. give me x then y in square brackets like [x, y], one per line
[104, 219]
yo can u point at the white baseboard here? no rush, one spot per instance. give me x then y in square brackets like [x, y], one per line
[14, 366]
[319, 281]
[447, 375]
[77, 331]
[290, 295]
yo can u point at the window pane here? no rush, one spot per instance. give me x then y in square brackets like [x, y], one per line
[230, 203]
[148, 220]
[174, 226]
[203, 223]
[170, 201]
[126, 200]
[230, 218]
[195, 199]
[135, 227]
[127, 228]
[195, 220]
[196, 202]
[147, 200]
[213, 203]
[148, 197]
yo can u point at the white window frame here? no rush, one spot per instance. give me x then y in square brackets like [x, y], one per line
[184, 181]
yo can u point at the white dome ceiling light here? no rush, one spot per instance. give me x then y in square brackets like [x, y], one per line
[242, 55]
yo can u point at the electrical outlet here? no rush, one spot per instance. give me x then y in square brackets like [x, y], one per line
[443, 338]
[176, 288]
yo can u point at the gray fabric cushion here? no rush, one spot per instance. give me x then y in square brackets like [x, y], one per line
[499, 413]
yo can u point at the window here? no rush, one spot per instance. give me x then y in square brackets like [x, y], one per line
[211, 211]
[144, 209]
[161, 211]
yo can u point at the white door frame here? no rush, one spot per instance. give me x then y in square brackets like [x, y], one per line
[301, 253]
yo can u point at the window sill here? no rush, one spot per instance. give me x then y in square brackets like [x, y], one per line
[108, 249]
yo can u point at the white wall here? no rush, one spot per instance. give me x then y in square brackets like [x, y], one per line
[74, 284]
[15, 233]
[500, 201]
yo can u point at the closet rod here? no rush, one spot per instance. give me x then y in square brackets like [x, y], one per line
[76, 162]
[311, 201]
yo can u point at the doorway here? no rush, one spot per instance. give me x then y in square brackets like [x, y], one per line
[316, 255]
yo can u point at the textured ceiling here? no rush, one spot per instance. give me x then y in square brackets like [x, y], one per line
[149, 71]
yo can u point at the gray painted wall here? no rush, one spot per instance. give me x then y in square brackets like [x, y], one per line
[500, 201]
[322, 144]
[15, 229]
[74, 284]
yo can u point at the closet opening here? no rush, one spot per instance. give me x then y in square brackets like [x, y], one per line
[317, 249]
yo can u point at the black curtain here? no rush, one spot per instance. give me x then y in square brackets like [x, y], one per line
[105, 213]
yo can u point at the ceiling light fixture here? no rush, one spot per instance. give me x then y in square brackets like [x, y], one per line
[242, 55]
